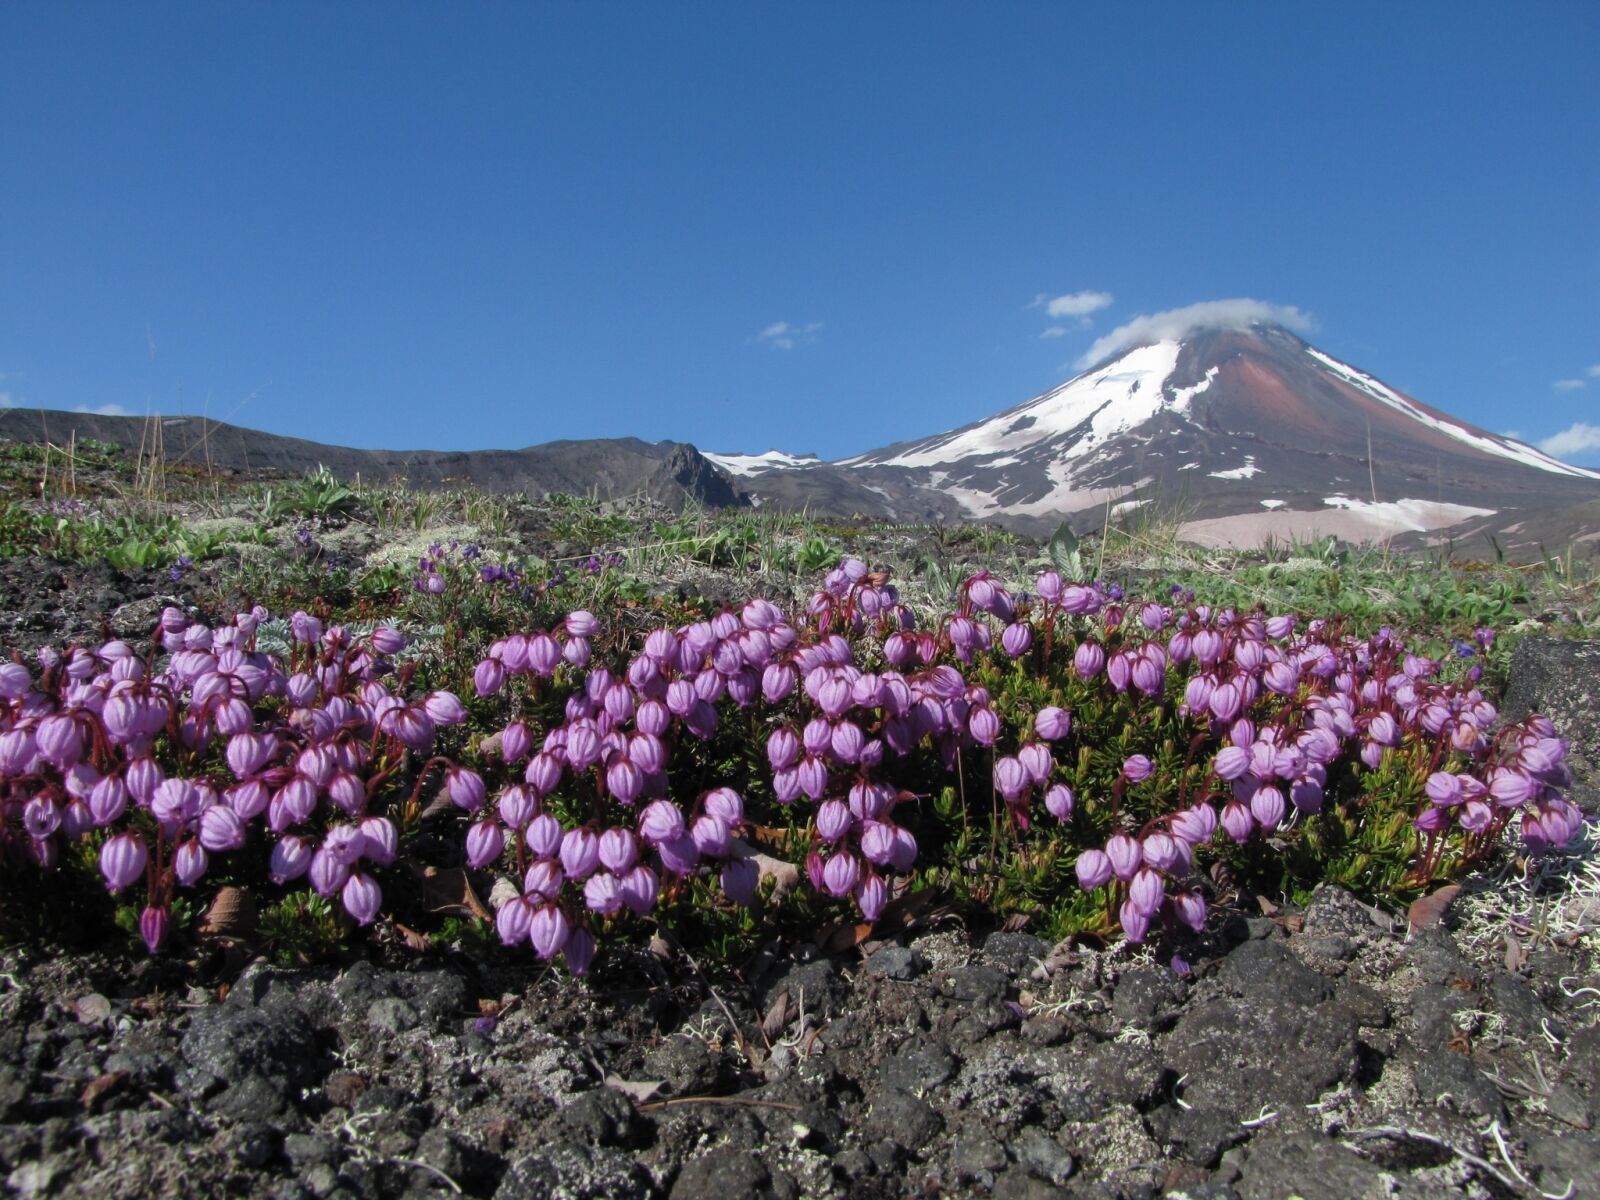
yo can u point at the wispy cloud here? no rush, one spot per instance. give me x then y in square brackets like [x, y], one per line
[1593, 372]
[1075, 304]
[1569, 385]
[783, 335]
[1580, 438]
[1072, 306]
[104, 410]
[7, 400]
[1180, 322]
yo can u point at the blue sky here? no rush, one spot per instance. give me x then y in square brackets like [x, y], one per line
[818, 227]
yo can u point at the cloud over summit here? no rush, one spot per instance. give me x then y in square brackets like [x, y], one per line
[1239, 313]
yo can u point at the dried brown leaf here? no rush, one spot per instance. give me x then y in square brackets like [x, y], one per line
[91, 1009]
[779, 1014]
[99, 1087]
[1430, 910]
[638, 1092]
[416, 942]
[450, 891]
[231, 915]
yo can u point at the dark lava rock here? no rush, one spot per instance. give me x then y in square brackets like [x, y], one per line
[688, 1066]
[917, 1066]
[568, 1172]
[1146, 996]
[1561, 680]
[1043, 1155]
[726, 1172]
[1015, 953]
[602, 1117]
[1313, 1167]
[1280, 1039]
[1433, 1014]
[249, 1063]
[1433, 954]
[1266, 971]
[976, 983]
[1566, 1158]
[1333, 911]
[1445, 1074]
[905, 1120]
[900, 963]
[819, 984]
[1199, 1133]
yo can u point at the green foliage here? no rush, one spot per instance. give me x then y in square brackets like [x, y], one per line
[320, 494]
[302, 927]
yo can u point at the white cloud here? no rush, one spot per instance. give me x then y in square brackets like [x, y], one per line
[1076, 304]
[1594, 371]
[1568, 385]
[781, 335]
[1580, 438]
[104, 410]
[7, 400]
[1055, 331]
[1180, 322]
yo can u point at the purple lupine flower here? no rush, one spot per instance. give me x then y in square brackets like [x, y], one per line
[984, 725]
[1125, 855]
[1190, 908]
[1058, 802]
[153, 926]
[1135, 923]
[1146, 891]
[1137, 768]
[485, 842]
[840, 874]
[740, 878]
[580, 852]
[1088, 660]
[1267, 806]
[362, 897]
[514, 921]
[122, 860]
[1237, 821]
[1036, 761]
[549, 931]
[578, 953]
[1017, 639]
[1010, 779]
[1052, 723]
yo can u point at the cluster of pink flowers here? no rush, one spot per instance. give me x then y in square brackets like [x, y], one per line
[176, 756]
[101, 735]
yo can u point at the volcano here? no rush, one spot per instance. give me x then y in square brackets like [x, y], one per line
[1243, 433]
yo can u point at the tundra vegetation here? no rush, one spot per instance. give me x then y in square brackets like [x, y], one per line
[593, 721]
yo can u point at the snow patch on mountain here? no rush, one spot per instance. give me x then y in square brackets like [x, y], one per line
[1408, 516]
[1124, 395]
[758, 464]
[1503, 447]
[1245, 472]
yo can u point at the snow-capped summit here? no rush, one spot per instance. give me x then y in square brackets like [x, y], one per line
[1252, 431]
